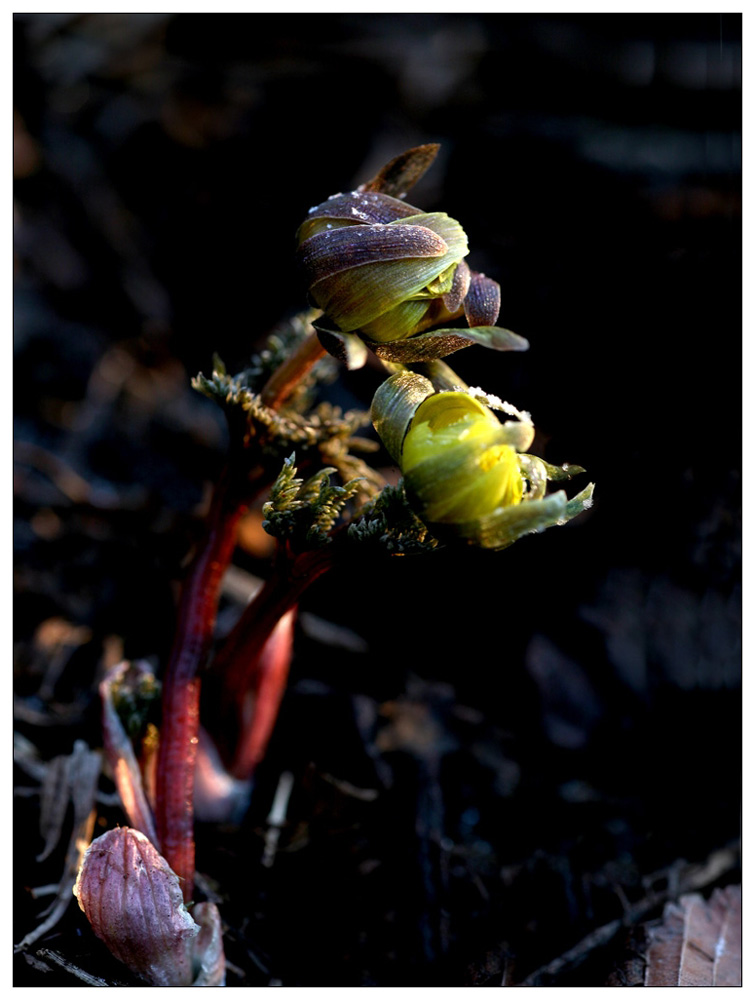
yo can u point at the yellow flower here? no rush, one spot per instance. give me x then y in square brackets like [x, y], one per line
[465, 472]
[458, 460]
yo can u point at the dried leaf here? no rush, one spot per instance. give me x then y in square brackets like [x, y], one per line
[699, 942]
[403, 171]
[45, 955]
[82, 774]
[26, 756]
[346, 347]
[54, 796]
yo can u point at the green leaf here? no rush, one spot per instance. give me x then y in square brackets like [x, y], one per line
[440, 343]
[304, 512]
[390, 524]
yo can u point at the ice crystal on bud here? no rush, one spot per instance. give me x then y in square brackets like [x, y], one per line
[496, 403]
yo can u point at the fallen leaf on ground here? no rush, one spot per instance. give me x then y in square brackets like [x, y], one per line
[699, 942]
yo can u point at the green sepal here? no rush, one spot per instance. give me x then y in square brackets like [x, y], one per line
[560, 472]
[539, 472]
[533, 470]
[440, 343]
[507, 524]
[582, 501]
[394, 405]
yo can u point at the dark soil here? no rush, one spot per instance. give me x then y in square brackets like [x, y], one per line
[504, 763]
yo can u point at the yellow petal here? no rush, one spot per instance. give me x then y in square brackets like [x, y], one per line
[456, 461]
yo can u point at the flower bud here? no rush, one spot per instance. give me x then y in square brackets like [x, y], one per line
[458, 459]
[464, 471]
[377, 265]
[134, 903]
[387, 272]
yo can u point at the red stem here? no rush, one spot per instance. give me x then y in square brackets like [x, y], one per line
[259, 706]
[240, 664]
[179, 731]
[285, 379]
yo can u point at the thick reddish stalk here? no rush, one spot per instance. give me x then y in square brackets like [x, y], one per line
[179, 731]
[241, 666]
[259, 707]
[285, 379]
[179, 734]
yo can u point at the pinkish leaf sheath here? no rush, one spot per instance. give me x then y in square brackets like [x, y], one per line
[134, 902]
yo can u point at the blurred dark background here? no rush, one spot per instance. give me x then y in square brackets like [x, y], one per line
[583, 686]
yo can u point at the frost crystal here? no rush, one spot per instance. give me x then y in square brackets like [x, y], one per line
[496, 403]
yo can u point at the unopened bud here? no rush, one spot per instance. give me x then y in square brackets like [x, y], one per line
[134, 903]
[394, 276]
